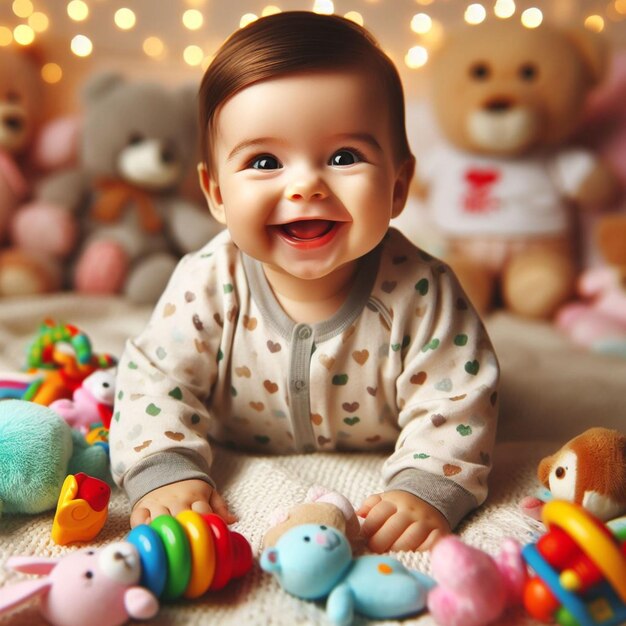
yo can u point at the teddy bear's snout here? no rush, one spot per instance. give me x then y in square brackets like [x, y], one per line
[168, 154]
[500, 104]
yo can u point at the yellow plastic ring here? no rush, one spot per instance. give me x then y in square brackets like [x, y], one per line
[590, 539]
[202, 553]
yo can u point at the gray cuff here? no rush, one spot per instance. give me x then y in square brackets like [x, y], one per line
[453, 501]
[163, 469]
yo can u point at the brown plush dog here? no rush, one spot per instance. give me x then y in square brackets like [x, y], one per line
[591, 471]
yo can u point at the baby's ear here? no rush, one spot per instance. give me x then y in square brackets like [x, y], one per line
[269, 561]
[212, 193]
[402, 186]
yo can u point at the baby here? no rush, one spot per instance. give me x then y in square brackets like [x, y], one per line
[308, 324]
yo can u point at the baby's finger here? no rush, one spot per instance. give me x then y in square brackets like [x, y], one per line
[433, 538]
[201, 506]
[157, 509]
[139, 516]
[413, 537]
[368, 504]
[218, 504]
[376, 517]
[387, 534]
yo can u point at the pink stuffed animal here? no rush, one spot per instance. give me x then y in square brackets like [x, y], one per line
[473, 588]
[92, 402]
[598, 321]
[99, 588]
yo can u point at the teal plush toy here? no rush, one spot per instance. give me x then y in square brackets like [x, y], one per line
[38, 450]
[313, 561]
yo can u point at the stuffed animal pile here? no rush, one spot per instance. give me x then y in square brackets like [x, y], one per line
[137, 144]
[508, 99]
[28, 146]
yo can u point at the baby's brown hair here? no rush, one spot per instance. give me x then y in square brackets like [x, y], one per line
[292, 42]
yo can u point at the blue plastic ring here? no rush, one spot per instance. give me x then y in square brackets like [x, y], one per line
[153, 558]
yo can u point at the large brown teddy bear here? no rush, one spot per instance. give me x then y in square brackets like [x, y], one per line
[507, 98]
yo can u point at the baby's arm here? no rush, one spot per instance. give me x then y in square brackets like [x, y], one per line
[171, 499]
[447, 404]
[159, 431]
[398, 520]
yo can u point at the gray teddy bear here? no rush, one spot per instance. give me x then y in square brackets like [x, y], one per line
[138, 143]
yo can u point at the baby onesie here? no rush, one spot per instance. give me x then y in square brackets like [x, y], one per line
[404, 364]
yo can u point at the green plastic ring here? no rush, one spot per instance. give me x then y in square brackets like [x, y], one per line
[178, 555]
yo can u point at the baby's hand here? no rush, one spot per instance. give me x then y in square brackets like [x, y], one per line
[398, 520]
[196, 495]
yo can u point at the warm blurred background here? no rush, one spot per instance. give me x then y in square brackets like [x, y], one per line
[172, 40]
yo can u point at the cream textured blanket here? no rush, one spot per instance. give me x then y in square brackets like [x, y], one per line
[550, 392]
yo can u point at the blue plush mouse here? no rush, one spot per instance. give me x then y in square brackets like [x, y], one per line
[37, 451]
[312, 561]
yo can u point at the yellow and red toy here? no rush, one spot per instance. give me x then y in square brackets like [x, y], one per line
[82, 509]
[579, 567]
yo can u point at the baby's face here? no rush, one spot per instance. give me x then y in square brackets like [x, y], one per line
[304, 171]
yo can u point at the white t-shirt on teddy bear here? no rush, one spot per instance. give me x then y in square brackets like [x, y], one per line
[478, 195]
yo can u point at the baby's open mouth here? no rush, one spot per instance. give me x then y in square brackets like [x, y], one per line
[307, 230]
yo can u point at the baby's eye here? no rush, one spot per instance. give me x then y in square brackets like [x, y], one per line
[265, 162]
[344, 157]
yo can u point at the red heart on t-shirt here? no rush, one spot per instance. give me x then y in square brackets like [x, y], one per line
[481, 177]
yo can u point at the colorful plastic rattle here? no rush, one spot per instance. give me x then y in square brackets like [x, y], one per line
[580, 570]
[82, 509]
[59, 359]
[189, 554]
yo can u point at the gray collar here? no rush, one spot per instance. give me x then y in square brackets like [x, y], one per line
[282, 324]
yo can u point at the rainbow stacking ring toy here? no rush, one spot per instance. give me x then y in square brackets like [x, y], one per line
[579, 567]
[189, 554]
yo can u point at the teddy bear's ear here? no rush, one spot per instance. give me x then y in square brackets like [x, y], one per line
[100, 85]
[543, 470]
[593, 50]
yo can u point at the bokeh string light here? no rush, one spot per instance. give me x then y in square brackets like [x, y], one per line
[32, 19]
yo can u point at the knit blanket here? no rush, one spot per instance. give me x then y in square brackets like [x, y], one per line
[550, 392]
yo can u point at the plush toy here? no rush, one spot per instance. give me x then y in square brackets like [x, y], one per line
[38, 450]
[91, 403]
[20, 91]
[86, 587]
[313, 561]
[474, 589]
[26, 151]
[186, 555]
[589, 470]
[598, 321]
[507, 99]
[322, 507]
[137, 143]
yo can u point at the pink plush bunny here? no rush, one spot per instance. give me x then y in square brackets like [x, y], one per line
[92, 402]
[99, 588]
[473, 589]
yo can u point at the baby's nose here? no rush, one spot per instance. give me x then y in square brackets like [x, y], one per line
[306, 186]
